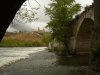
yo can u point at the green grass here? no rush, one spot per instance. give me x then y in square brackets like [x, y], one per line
[19, 43]
[30, 41]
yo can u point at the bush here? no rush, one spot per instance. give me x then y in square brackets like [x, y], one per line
[61, 51]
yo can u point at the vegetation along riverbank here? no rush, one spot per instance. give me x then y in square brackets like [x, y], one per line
[24, 39]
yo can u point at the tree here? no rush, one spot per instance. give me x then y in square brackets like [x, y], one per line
[61, 13]
[25, 14]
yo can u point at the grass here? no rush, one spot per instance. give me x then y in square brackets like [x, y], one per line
[25, 40]
[20, 43]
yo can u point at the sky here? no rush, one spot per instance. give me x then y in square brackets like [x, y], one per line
[42, 18]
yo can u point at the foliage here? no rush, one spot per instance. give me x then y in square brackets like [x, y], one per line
[61, 51]
[24, 15]
[61, 13]
[46, 38]
[25, 39]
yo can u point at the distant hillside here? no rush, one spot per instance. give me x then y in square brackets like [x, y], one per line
[25, 39]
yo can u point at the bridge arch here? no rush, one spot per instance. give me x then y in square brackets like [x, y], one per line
[82, 27]
[84, 35]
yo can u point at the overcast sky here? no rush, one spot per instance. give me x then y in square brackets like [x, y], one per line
[41, 22]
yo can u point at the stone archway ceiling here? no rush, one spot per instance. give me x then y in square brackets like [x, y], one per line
[84, 36]
[7, 13]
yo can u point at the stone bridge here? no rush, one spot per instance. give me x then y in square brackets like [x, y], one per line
[83, 28]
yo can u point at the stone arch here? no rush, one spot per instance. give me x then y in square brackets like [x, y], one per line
[77, 24]
[84, 35]
[8, 11]
[80, 22]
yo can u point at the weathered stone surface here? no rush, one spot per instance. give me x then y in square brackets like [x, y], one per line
[82, 29]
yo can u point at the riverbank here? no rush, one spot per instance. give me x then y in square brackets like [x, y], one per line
[46, 63]
[25, 39]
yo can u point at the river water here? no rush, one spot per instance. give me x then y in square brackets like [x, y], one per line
[9, 55]
[40, 62]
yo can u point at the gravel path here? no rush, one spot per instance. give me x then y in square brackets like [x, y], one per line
[42, 63]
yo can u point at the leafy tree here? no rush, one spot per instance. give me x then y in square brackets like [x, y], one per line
[61, 13]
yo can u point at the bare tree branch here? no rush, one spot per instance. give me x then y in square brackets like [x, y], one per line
[36, 2]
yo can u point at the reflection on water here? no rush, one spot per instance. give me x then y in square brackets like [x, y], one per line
[76, 60]
[77, 65]
[41, 63]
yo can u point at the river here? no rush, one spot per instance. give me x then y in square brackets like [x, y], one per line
[9, 55]
[38, 61]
